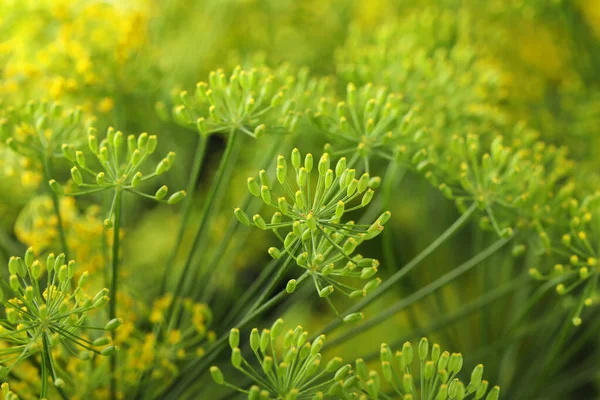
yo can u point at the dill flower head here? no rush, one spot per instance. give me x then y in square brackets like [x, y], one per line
[248, 101]
[39, 129]
[315, 236]
[121, 160]
[44, 310]
[437, 378]
[291, 370]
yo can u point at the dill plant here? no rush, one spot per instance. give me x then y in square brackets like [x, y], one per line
[416, 116]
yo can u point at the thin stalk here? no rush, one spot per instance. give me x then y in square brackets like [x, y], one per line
[187, 206]
[114, 287]
[385, 286]
[56, 205]
[421, 293]
[174, 307]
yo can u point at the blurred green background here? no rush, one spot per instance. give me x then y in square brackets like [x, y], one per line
[477, 66]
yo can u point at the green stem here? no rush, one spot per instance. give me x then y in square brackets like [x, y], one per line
[233, 137]
[455, 227]
[56, 205]
[187, 206]
[421, 293]
[114, 287]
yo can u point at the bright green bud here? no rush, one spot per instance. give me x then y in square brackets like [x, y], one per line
[76, 175]
[137, 178]
[308, 162]
[281, 174]
[476, 376]
[326, 291]
[136, 157]
[254, 339]
[296, 158]
[176, 197]
[113, 324]
[101, 341]
[367, 197]
[93, 144]
[334, 364]
[407, 382]
[423, 349]
[481, 390]
[291, 286]
[265, 339]
[236, 357]
[340, 167]
[300, 200]
[161, 192]
[407, 353]
[100, 178]
[363, 183]
[80, 159]
[253, 187]
[152, 144]
[283, 205]
[455, 363]
[276, 328]
[354, 317]
[68, 152]
[29, 257]
[324, 164]
[494, 393]
[162, 167]
[36, 269]
[217, 375]
[234, 338]
[265, 193]
[56, 187]
[259, 222]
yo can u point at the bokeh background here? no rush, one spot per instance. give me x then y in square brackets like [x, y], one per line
[481, 66]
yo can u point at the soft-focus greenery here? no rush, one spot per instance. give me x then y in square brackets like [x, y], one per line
[374, 172]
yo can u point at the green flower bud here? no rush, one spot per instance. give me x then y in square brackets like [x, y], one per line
[113, 324]
[265, 193]
[161, 192]
[162, 167]
[217, 375]
[367, 197]
[93, 144]
[69, 152]
[265, 339]
[80, 159]
[494, 394]
[259, 130]
[152, 144]
[340, 167]
[101, 341]
[291, 286]
[455, 363]
[296, 158]
[407, 382]
[283, 205]
[176, 197]
[136, 157]
[76, 175]
[267, 364]
[109, 351]
[253, 187]
[29, 258]
[423, 349]
[254, 339]
[275, 253]
[324, 164]
[259, 222]
[328, 179]
[481, 390]
[354, 317]
[476, 376]
[334, 364]
[300, 203]
[363, 183]
[407, 353]
[36, 269]
[56, 187]
[100, 178]
[326, 291]
[308, 162]
[236, 357]
[276, 328]
[137, 178]
[234, 338]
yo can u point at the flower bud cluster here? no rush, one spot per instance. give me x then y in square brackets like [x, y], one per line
[44, 308]
[251, 101]
[121, 159]
[437, 378]
[297, 371]
[308, 221]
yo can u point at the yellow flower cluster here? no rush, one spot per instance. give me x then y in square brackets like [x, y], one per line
[37, 225]
[90, 47]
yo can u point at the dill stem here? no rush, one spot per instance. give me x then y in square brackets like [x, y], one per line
[114, 287]
[56, 205]
[187, 206]
[387, 284]
[206, 209]
[421, 293]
